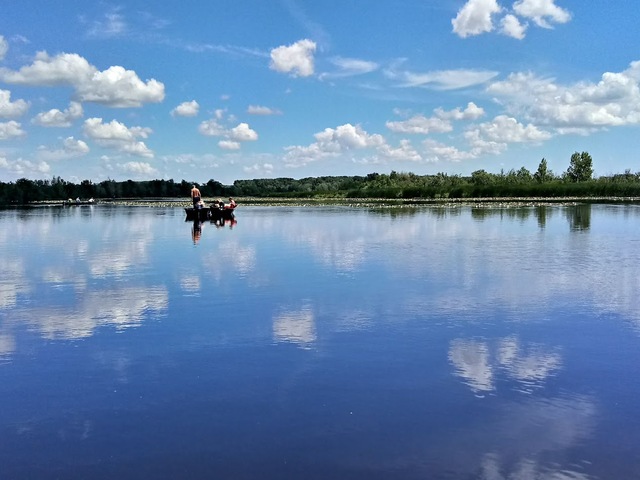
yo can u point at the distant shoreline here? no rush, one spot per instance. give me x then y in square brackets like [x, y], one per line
[362, 202]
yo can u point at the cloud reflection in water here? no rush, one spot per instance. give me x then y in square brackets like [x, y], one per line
[13, 282]
[532, 434]
[119, 308]
[295, 327]
[478, 364]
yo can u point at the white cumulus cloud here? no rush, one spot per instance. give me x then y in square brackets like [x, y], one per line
[506, 129]
[439, 123]
[10, 109]
[259, 169]
[541, 12]
[231, 136]
[475, 17]
[114, 87]
[74, 146]
[439, 152]
[57, 118]
[296, 59]
[118, 136]
[243, 133]
[471, 112]
[261, 110]
[71, 148]
[612, 101]
[186, 109]
[4, 47]
[229, 145]
[137, 168]
[11, 129]
[481, 145]
[332, 142]
[63, 69]
[512, 27]
[419, 124]
[211, 128]
[117, 87]
[405, 152]
[347, 137]
[24, 167]
[488, 138]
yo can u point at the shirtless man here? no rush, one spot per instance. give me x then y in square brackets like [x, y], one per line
[195, 196]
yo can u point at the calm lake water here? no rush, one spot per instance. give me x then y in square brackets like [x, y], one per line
[321, 343]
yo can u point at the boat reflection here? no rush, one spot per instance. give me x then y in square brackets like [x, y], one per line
[197, 224]
[225, 223]
[196, 231]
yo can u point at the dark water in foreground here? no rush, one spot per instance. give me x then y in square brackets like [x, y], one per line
[321, 343]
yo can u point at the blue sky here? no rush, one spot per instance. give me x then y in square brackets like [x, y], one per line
[230, 89]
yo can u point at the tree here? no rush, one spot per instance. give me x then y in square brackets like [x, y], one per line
[543, 174]
[481, 177]
[524, 175]
[580, 167]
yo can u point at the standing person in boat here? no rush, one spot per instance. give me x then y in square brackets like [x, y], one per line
[195, 196]
[232, 204]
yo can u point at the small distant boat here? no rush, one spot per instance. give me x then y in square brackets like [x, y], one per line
[209, 213]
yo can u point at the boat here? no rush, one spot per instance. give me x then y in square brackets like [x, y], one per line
[209, 213]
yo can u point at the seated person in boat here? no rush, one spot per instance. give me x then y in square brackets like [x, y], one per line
[231, 205]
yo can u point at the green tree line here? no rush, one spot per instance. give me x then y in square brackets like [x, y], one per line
[576, 181]
[25, 191]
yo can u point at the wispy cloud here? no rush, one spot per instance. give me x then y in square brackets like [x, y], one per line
[445, 79]
[349, 67]
[314, 29]
[262, 110]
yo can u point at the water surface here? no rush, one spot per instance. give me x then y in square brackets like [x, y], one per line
[320, 342]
